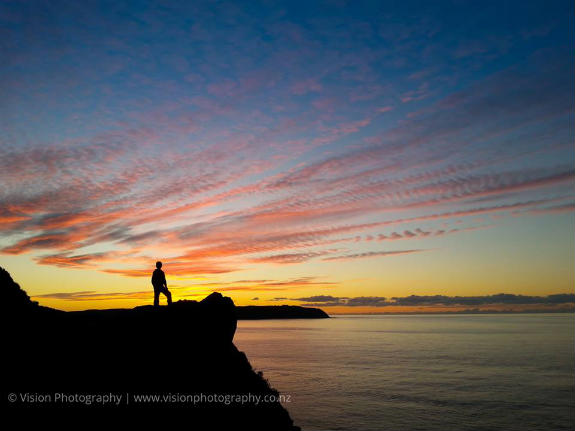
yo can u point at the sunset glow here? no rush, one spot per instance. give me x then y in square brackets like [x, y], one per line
[276, 153]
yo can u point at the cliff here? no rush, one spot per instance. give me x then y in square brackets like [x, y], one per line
[182, 356]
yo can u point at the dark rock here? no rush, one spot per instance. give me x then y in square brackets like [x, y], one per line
[177, 353]
[13, 295]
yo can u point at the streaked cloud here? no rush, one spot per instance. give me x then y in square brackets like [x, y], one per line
[258, 139]
[434, 300]
[372, 254]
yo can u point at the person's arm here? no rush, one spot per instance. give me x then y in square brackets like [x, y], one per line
[165, 282]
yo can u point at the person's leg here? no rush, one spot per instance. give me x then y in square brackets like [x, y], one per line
[168, 294]
[156, 297]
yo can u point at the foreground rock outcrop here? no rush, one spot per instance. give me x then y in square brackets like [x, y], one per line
[181, 358]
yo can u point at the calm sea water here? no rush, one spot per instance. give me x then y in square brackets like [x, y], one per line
[432, 372]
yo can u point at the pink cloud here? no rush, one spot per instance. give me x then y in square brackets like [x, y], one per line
[306, 86]
[384, 109]
[371, 254]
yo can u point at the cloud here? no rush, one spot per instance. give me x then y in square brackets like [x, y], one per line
[66, 260]
[281, 156]
[420, 233]
[319, 298]
[384, 109]
[372, 254]
[268, 284]
[554, 209]
[360, 301]
[90, 295]
[420, 93]
[292, 258]
[274, 285]
[199, 289]
[501, 298]
[429, 300]
[175, 269]
[331, 301]
[50, 240]
[307, 86]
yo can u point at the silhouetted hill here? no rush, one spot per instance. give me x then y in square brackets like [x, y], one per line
[183, 355]
[254, 312]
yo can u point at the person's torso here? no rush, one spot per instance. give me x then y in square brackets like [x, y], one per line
[158, 277]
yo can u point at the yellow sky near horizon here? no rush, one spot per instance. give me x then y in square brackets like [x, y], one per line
[456, 266]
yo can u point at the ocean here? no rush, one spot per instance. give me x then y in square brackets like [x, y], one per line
[420, 372]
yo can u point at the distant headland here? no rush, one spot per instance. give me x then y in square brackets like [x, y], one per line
[254, 312]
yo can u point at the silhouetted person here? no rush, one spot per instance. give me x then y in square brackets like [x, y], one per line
[160, 285]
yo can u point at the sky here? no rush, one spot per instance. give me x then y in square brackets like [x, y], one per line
[338, 153]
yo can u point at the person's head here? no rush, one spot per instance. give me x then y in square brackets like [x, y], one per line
[158, 264]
